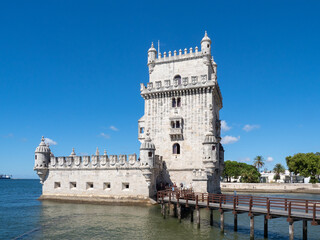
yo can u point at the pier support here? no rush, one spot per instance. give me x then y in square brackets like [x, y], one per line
[305, 229]
[251, 227]
[291, 230]
[265, 226]
[198, 217]
[164, 210]
[222, 221]
[211, 217]
[179, 212]
[191, 214]
[235, 222]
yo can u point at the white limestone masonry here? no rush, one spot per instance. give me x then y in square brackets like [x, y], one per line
[179, 135]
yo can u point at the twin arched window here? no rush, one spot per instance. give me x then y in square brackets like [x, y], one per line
[176, 148]
[176, 102]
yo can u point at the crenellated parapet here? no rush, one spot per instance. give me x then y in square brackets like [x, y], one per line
[95, 162]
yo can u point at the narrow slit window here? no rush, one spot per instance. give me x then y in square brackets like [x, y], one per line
[174, 103]
[179, 102]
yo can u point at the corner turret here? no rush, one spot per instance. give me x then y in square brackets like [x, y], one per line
[210, 156]
[152, 54]
[147, 152]
[42, 159]
[206, 44]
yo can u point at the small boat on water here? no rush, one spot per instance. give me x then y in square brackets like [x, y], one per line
[5, 176]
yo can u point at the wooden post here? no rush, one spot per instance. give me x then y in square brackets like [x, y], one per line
[265, 226]
[235, 222]
[198, 217]
[191, 214]
[179, 212]
[291, 230]
[251, 227]
[211, 217]
[222, 221]
[305, 229]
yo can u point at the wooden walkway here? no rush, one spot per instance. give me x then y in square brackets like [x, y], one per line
[291, 209]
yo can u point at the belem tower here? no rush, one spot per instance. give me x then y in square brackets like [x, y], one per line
[179, 135]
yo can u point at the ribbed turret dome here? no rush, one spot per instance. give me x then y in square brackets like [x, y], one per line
[206, 38]
[152, 49]
[147, 143]
[210, 138]
[43, 147]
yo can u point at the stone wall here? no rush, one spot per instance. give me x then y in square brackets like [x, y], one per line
[271, 187]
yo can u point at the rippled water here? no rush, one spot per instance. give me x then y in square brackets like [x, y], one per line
[24, 217]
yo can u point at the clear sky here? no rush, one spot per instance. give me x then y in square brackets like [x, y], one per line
[71, 71]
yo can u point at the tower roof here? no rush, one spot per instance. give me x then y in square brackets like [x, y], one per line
[147, 143]
[152, 49]
[206, 38]
[43, 147]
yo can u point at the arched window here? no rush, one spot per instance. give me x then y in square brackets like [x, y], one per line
[176, 148]
[174, 103]
[177, 79]
[173, 124]
[177, 124]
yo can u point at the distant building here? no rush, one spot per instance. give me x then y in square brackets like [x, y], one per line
[179, 135]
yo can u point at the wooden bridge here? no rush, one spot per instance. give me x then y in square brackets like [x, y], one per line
[270, 207]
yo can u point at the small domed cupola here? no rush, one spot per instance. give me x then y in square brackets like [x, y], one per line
[147, 144]
[206, 44]
[43, 147]
[73, 153]
[210, 138]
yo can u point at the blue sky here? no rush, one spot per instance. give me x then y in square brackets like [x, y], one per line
[70, 70]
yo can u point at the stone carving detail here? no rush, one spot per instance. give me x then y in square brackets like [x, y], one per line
[77, 161]
[94, 160]
[53, 161]
[86, 160]
[132, 159]
[61, 161]
[113, 159]
[103, 160]
[69, 161]
[122, 159]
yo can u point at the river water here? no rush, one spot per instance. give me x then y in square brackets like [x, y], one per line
[24, 217]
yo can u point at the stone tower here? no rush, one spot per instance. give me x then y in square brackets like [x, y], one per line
[182, 104]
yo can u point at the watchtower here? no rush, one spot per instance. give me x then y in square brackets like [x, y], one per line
[182, 104]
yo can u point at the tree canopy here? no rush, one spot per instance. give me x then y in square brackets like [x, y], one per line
[248, 173]
[305, 164]
[278, 169]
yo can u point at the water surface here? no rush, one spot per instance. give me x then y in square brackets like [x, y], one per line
[24, 217]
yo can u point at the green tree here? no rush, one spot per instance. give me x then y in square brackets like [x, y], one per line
[231, 169]
[248, 173]
[305, 164]
[258, 162]
[278, 169]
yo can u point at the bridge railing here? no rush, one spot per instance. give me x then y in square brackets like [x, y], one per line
[288, 205]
